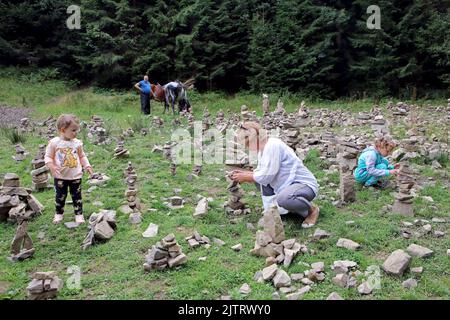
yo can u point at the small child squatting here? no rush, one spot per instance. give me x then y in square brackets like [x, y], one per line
[372, 164]
[66, 160]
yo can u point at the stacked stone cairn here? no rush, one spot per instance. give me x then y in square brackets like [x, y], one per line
[16, 201]
[166, 253]
[197, 240]
[102, 226]
[379, 126]
[403, 198]
[234, 205]
[21, 153]
[271, 242]
[97, 132]
[22, 245]
[347, 160]
[265, 104]
[44, 285]
[291, 137]
[157, 122]
[39, 174]
[206, 123]
[133, 202]
[128, 133]
[220, 117]
[120, 151]
[25, 125]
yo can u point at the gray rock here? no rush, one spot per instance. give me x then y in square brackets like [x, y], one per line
[258, 277]
[318, 266]
[340, 280]
[320, 234]
[417, 270]
[409, 283]
[202, 208]
[281, 279]
[364, 288]
[152, 231]
[419, 251]
[348, 244]
[269, 272]
[245, 289]
[334, 296]
[71, 224]
[397, 262]
[438, 220]
[288, 257]
[237, 247]
[218, 242]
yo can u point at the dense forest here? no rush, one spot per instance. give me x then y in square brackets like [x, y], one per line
[317, 47]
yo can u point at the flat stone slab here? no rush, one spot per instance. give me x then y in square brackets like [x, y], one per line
[419, 251]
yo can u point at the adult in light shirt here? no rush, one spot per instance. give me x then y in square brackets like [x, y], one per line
[281, 176]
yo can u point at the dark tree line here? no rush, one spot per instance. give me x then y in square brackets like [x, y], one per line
[318, 47]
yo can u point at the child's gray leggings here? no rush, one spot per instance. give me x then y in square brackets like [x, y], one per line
[295, 198]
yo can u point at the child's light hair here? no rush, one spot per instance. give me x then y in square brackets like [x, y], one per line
[250, 133]
[385, 141]
[65, 120]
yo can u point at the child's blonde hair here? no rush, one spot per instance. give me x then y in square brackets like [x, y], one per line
[65, 120]
[250, 132]
[385, 141]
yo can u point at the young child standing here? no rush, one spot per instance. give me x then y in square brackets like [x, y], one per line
[372, 164]
[66, 160]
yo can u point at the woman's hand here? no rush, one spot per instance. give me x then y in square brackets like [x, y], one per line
[241, 176]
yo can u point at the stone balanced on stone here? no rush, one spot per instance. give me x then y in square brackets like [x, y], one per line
[120, 151]
[166, 253]
[347, 159]
[17, 201]
[21, 153]
[102, 226]
[234, 205]
[404, 198]
[39, 174]
[44, 285]
[22, 245]
[270, 242]
[265, 104]
[134, 203]
[97, 133]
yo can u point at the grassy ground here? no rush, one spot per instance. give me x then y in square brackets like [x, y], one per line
[114, 270]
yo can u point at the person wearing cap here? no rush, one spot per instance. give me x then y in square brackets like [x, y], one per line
[281, 176]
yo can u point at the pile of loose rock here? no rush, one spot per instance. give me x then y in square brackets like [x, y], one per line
[17, 201]
[196, 240]
[404, 198]
[270, 242]
[21, 153]
[98, 179]
[44, 285]
[167, 253]
[39, 174]
[102, 226]
[25, 125]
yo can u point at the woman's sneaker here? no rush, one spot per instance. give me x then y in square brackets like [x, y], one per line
[57, 218]
[79, 218]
